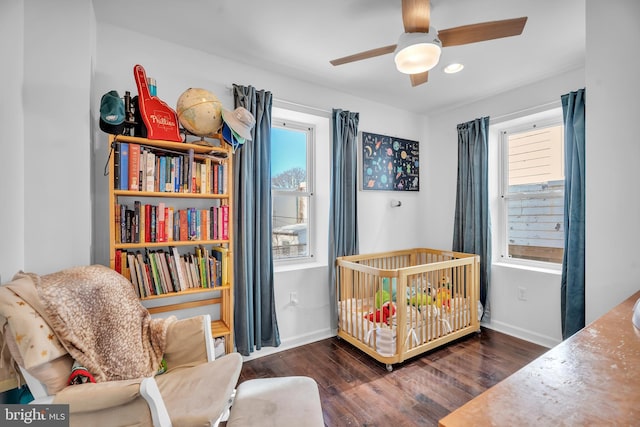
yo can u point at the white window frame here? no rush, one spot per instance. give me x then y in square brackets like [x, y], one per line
[310, 131]
[548, 119]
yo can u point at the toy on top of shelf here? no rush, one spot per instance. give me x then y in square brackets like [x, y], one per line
[160, 120]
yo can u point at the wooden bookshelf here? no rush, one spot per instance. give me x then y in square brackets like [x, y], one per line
[199, 294]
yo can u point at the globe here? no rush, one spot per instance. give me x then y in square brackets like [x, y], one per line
[199, 112]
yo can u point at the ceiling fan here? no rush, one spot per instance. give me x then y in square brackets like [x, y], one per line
[418, 48]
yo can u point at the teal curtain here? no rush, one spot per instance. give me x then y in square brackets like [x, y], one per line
[343, 210]
[254, 303]
[572, 289]
[472, 224]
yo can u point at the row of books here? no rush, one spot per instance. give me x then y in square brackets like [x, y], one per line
[160, 272]
[142, 223]
[139, 168]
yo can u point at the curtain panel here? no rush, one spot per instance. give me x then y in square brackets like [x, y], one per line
[472, 224]
[572, 304]
[343, 210]
[255, 322]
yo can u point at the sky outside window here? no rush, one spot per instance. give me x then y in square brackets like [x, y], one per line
[288, 150]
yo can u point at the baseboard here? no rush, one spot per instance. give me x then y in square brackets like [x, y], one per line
[292, 342]
[523, 334]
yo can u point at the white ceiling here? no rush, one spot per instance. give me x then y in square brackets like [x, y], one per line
[297, 38]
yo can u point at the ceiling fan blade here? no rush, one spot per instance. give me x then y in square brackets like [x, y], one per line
[364, 55]
[416, 16]
[418, 79]
[483, 31]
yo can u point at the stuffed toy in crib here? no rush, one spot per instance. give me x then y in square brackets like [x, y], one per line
[382, 314]
[443, 295]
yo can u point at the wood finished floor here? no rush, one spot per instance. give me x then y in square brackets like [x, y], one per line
[356, 390]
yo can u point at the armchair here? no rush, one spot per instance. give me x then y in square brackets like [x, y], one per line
[195, 389]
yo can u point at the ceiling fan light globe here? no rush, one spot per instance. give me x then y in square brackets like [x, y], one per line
[417, 52]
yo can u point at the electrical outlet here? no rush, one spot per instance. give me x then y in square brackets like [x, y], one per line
[522, 293]
[293, 298]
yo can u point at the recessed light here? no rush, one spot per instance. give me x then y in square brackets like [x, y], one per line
[453, 68]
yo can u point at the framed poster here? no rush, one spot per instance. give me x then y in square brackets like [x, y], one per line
[390, 163]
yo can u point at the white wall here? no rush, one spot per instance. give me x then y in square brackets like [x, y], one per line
[612, 154]
[47, 58]
[538, 318]
[11, 144]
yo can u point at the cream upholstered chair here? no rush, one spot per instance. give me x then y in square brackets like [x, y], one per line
[195, 390]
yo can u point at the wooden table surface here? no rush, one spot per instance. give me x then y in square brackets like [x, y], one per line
[592, 378]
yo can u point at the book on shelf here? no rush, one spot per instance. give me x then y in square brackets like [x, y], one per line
[134, 273]
[122, 209]
[213, 213]
[160, 232]
[123, 264]
[205, 178]
[124, 166]
[128, 225]
[179, 267]
[137, 206]
[192, 223]
[168, 217]
[171, 168]
[116, 222]
[173, 272]
[190, 172]
[177, 179]
[153, 270]
[183, 225]
[153, 218]
[222, 182]
[221, 254]
[164, 268]
[199, 259]
[225, 222]
[192, 268]
[116, 165]
[134, 167]
[150, 171]
[116, 261]
[142, 170]
[197, 176]
[144, 272]
[162, 173]
[204, 224]
[214, 186]
[187, 270]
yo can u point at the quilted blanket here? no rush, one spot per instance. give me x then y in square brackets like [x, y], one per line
[98, 318]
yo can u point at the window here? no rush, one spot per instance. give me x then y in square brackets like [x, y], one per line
[532, 192]
[291, 189]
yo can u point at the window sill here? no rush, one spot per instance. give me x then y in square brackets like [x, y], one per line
[546, 270]
[294, 266]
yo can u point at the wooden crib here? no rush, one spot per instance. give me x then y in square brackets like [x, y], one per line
[396, 305]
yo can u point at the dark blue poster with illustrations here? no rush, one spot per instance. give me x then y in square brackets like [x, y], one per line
[389, 163]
